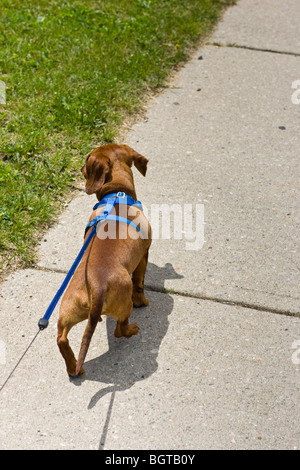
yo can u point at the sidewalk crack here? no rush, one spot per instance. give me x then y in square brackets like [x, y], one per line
[237, 303]
[252, 48]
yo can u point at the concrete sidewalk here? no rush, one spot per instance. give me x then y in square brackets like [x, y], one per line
[217, 361]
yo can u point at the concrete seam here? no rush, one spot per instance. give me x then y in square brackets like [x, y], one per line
[171, 291]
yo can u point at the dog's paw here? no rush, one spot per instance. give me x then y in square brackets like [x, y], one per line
[73, 374]
[126, 330]
[139, 300]
[132, 329]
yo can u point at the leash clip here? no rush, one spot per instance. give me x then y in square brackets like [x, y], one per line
[43, 323]
[121, 194]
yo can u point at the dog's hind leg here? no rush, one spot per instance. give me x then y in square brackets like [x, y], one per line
[71, 312]
[86, 339]
[93, 318]
[120, 305]
[63, 329]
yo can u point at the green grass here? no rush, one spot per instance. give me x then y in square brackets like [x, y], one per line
[73, 71]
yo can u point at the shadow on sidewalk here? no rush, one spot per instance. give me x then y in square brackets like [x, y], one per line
[128, 361]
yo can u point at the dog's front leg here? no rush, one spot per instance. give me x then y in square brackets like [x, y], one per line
[124, 329]
[138, 276]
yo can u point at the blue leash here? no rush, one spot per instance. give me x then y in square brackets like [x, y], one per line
[43, 322]
[109, 202]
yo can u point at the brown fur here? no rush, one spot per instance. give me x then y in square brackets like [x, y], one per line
[102, 284]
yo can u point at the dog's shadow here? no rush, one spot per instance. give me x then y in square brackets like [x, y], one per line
[128, 361]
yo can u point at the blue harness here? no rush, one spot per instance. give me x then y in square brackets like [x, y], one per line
[109, 202]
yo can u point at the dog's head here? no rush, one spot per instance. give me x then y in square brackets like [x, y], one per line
[111, 162]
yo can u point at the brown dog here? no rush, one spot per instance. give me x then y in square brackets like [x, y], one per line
[102, 284]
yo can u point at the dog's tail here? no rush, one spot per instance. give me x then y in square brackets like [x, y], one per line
[94, 318]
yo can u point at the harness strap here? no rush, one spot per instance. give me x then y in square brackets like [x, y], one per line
[122, 198]
[118, 218]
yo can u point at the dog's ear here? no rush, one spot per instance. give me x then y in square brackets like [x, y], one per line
[95, 171]
[140, 163]
[138, 160]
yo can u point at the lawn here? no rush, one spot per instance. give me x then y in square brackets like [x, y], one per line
[73, 71]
